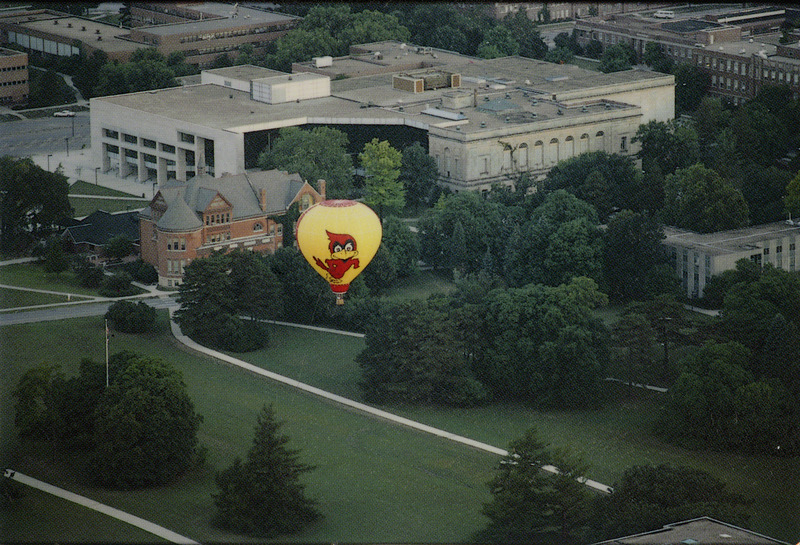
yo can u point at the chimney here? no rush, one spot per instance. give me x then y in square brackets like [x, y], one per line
[321, 184]
[262, 199]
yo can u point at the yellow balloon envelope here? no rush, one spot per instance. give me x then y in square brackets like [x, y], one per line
[339, 238]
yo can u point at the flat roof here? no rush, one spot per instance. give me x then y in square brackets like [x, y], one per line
[109, 33]
[729, 242]
[393, 55]
[689, 25]
[742, 47]
[10, 52]
[245, 17]
[246, 72]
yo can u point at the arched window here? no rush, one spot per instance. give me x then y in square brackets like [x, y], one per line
[522, 155]
[599, 143]
[569, 147]
[584, 143]
[258, 227]
[538, 154]
[553, 156]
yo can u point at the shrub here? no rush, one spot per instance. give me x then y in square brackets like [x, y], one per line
[117, 285]
[130, 317]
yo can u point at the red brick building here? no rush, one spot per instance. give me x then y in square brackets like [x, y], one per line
[13, 77]
[192, 219]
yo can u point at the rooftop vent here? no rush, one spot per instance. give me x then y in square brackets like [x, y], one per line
[99, 38]
[97, 31]
[584, 109]
[69, 25]
[560, 111]
[55, 22]
[83, 28]
[483, 124]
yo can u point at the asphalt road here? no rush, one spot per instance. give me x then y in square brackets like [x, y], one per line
[79, 310]
[26, 137]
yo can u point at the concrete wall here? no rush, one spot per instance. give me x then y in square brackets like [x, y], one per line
[228, 146]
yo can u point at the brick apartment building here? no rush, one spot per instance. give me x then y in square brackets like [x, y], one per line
[192, 219]
[13, 77]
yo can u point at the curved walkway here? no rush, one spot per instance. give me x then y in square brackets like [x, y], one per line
[145, 525]
[176, 331]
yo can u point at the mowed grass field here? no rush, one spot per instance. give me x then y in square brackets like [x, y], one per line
[375, 481]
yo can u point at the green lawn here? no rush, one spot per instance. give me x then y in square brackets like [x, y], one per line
[32, 275]
[84, 207]
[85, 188]
[18, 298]
[375, 481]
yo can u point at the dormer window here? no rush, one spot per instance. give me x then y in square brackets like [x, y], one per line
[258, 227]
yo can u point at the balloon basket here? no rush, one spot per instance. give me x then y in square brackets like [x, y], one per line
[339, 298]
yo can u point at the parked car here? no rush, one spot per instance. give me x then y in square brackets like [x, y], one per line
[64, 113]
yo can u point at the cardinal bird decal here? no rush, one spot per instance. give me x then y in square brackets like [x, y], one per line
[343, 253]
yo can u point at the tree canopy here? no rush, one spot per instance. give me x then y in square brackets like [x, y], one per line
[316, 154]
[381, 163]
[697, 198]
[35, 202]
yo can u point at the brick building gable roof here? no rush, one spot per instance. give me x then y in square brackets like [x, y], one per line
[186, 201]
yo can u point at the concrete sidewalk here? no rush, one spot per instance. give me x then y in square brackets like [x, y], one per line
[78, 166]
[145, 525]
[178, 334]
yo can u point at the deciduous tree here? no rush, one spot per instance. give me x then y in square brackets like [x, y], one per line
[648, 497]
[384, 192]
[34, 202]
[697, 198]
[318, 154]
[145, 426]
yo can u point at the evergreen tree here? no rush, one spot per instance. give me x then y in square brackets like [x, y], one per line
[263, 495]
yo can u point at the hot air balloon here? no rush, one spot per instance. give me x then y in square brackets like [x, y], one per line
[339, 238]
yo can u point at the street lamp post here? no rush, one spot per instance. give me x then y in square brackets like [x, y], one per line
[73, 125]
[49, 155]
[95, 174]
[66, 139]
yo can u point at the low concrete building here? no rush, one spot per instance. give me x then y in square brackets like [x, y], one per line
[14, 86]
[193, 219]
[697, 257]
[484, 121]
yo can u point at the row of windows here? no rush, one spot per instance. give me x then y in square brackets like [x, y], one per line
[7, 83]
[240, 32]
[216, 219]
[726, 83]
[213, 239]
[175, 266]
[176, 243]
[12, 68]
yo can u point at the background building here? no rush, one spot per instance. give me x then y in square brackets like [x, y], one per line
[737, 47]
[189, 220]
[697, 257]
[13, 77]
[484, 121]
[202, 31]
[54, 33]
[205, 30]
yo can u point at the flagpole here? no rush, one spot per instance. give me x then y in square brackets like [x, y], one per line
[106, 353]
